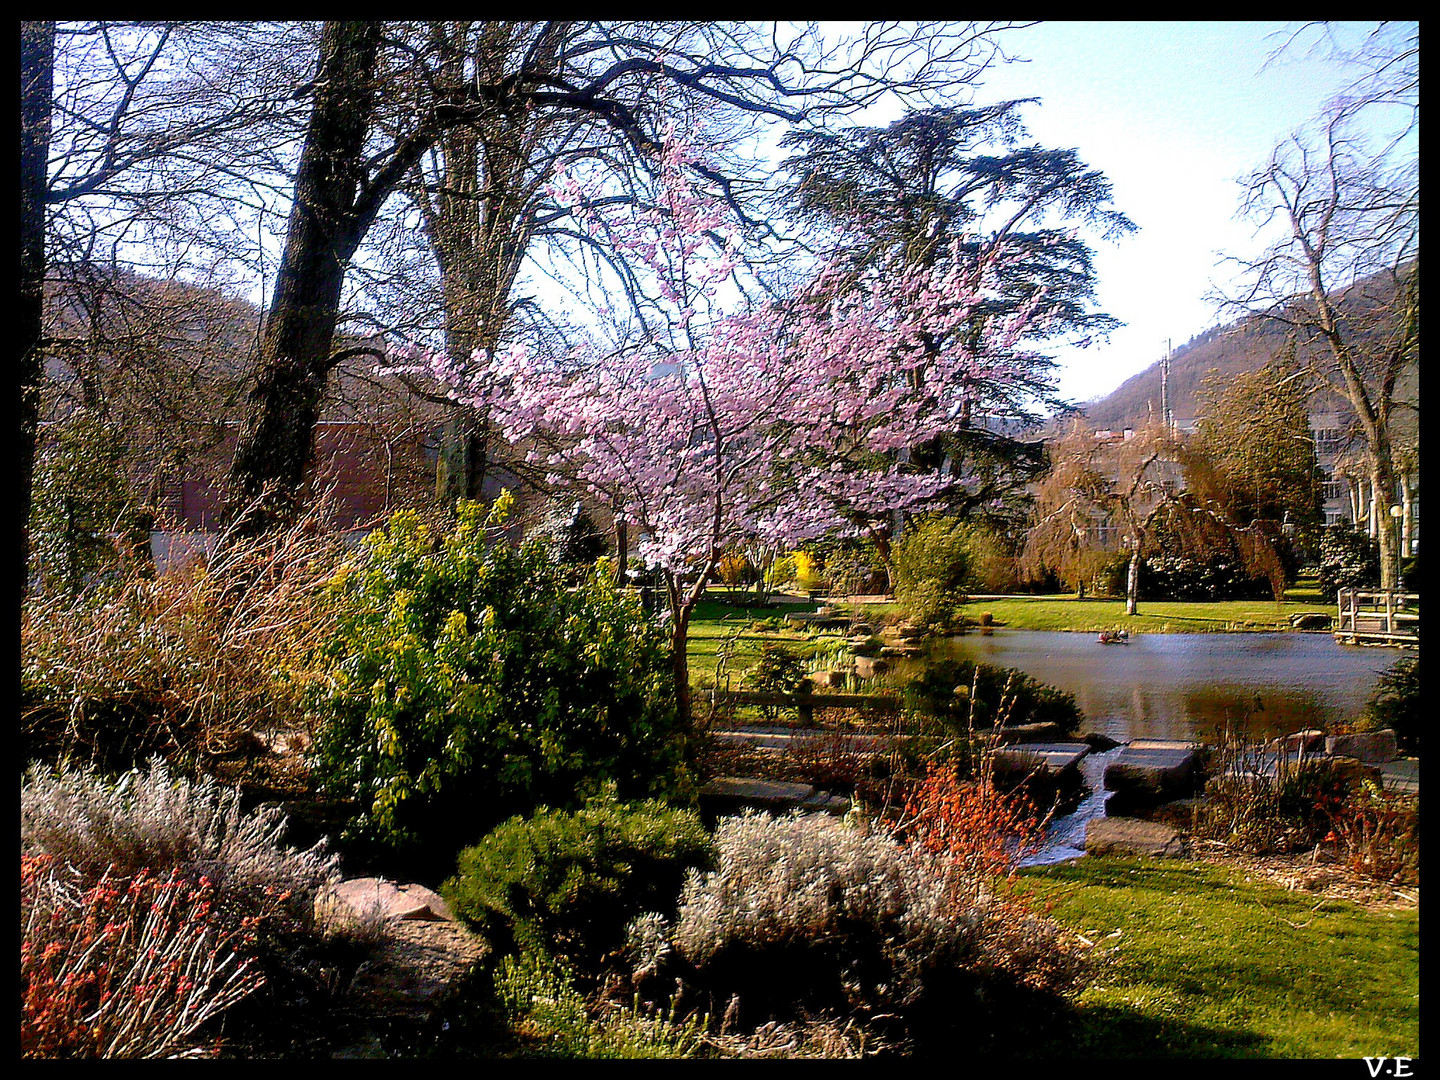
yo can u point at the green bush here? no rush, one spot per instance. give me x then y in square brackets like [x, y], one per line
[951, 690]
[1410, 574]
[464, 682]
[777, 671]
[1348, 560]
[782, 571]
[542, 1006]
[1395, 703]
[569, 883]
[79, 500]
[929, 568]
[1112, 576]
[992, 564]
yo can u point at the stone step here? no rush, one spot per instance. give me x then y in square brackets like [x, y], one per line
[1402, 774]
[798, 618]
[781, 738]
[733, 794]
[1156, 769]
[1046, 731]
[1131, 836]
[1050, 757]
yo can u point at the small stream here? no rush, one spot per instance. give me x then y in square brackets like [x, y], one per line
[1180, 686]
[1065, 837]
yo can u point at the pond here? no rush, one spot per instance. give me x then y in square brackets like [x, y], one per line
[1180, 686]
[1187, 686]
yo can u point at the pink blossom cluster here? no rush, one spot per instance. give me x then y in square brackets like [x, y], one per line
[783, 422]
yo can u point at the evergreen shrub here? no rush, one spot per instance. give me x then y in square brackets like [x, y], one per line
[569, 882]
[807, 915]
[1395, 703]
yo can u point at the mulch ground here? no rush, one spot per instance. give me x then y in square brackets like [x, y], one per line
[1307, 872]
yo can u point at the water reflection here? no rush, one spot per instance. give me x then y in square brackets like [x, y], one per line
[1185, 686]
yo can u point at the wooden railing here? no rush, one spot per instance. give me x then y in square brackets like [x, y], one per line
[1384, 615]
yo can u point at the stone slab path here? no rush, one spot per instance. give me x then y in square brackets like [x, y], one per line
[732, 794]
[1152, 767]
[1051, 757]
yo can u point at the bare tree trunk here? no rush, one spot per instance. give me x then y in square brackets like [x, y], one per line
[1132, 582]
[1407, 512]
[37, 62]
[622, 551]
[323, 232]
[680, 672]
[1385, 528]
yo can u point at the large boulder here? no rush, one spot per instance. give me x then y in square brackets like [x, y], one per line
[1131, 836]
[1045, 731]
[902, 652]
[828, 680]
[1309, 741]
[868, 667]
[375, 897]
[1364, 745]
[1153, 769]
[727, 795]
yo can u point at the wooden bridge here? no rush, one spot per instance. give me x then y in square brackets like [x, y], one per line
[1382, 617]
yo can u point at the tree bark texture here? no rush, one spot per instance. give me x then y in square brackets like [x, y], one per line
[37, 62]
[479, 225]
[325, 226]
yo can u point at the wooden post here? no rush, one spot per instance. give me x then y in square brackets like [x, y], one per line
[802, 702]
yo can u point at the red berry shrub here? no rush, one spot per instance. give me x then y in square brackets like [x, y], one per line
[128, 968]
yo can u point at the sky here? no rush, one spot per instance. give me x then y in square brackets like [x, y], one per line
[1174, 113]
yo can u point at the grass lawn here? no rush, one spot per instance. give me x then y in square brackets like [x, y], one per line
[714, 622]
[1065, 612]
[1210, 965]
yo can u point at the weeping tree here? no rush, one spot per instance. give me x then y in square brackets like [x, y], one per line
[1151, 493]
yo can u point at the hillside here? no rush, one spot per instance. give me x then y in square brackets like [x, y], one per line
[1244, 345]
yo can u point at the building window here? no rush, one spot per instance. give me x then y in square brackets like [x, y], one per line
[1332, 488]
[1328, 442]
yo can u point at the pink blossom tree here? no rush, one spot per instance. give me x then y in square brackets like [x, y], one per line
[782, 422]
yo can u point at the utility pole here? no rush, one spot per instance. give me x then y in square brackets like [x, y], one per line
[1165, 417]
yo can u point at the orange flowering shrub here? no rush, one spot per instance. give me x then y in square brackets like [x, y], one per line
[121, 968]
[984, 831]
